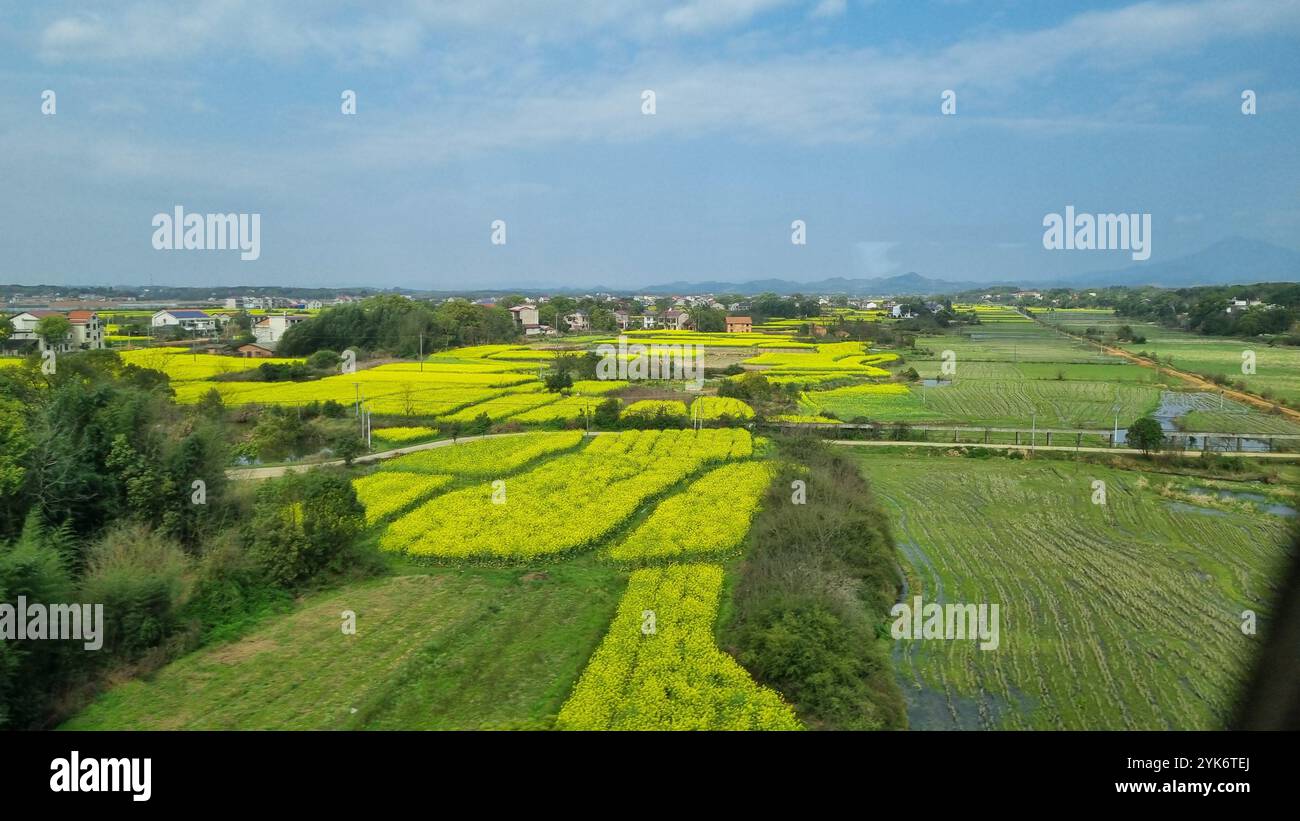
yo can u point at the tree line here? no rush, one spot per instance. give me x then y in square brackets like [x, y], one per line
[112, 494]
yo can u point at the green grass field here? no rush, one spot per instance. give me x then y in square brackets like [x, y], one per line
[1277, 369]
[450, 649]
[1117, 616]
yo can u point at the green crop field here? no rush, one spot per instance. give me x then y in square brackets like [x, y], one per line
[996, 402]
[1021, 341]
[1125, 615]
[1277, 368]
[1240, 420]
[1017, 374]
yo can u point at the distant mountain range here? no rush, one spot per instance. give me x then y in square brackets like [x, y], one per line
[1232, 261]
[910, 283]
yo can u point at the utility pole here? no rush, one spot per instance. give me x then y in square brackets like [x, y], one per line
[421, 351]
[1033, 431]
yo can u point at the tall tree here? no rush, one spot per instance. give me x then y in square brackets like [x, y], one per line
[54, 329]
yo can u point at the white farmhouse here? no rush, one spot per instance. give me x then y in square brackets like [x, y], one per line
[194, 321]
[270, 329]
[524, 315]
[86, 333]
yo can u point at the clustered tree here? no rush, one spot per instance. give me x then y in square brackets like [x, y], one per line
[1205, 310]
[111, 493]
[399, 326]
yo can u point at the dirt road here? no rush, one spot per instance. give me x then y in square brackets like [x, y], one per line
[280, 470]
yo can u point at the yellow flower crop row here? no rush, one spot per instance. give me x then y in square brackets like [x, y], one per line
[833, 356]
[803, 377]
[403, 434]
[450, 364]
[381, 397]
[596, 387]
[482, 351]
[882, 389]
[878, 358]
[806, 418]
[715, 407]
[497, 456]
[523, 355]
[670, 675]
[435, 375]
[502, 407]
[564, 504]
[649, 407]
[711, 515]
[387, 492]
[181, 365]
[892, 400]
[570, 407]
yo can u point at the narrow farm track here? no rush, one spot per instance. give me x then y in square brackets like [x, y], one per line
[280, 470]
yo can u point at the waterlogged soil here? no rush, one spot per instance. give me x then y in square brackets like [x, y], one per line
[1184, 507]
[927, 708]
[1174, 405]
[1261, 502]
[1028, 536]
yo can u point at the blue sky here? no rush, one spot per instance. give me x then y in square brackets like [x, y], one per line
[530, 112]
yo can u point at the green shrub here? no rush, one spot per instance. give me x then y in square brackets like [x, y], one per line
[817, 583]
[292, 547]
[323, 360]
[142, 578]
[231, 592]
[606, 414]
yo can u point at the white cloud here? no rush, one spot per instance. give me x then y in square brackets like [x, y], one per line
[702, 15]
[809, 98]
[829, 8]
